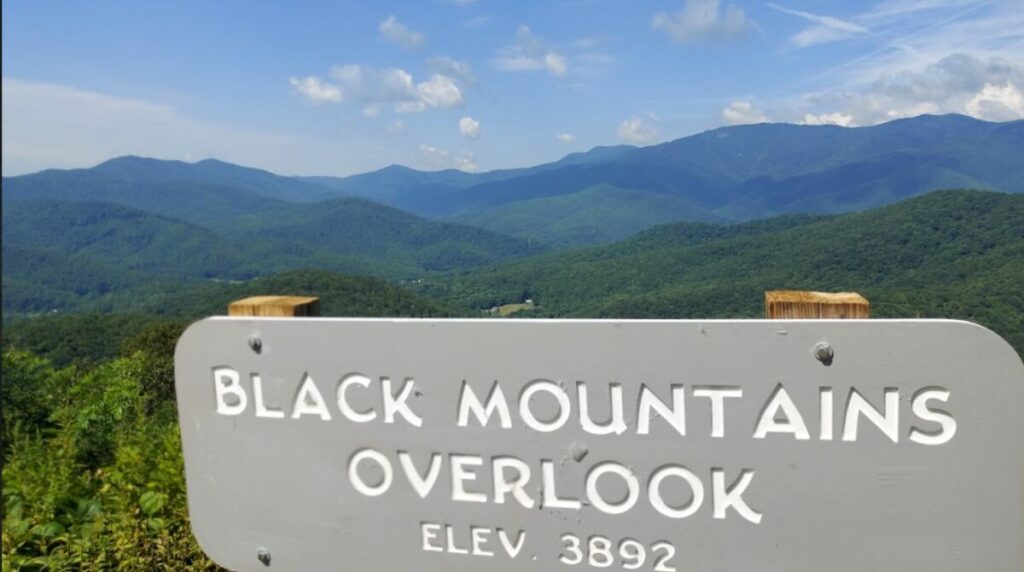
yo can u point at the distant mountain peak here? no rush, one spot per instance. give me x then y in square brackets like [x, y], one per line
[124, 160]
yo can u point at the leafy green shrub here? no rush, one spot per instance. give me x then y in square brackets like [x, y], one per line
[93, 479]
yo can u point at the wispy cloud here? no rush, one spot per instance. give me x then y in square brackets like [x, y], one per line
[703, 20]
[983, 30]
[929, 56]
[400, 34]
[531, 53]
[592, 56]
[892, 9]
[826, 28]
[565, 137]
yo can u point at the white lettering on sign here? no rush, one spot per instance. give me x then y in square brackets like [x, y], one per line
[604, 411]
[479, 540]
[947, 425]
[526, 406]
[717, 396]
[793, 423]
[261, 408]
[696, 490]
[857, 406]
[674, 415]
[464, 485]
[610, 468]
[422, 485]
[346, 409]
[496, 403]
[503, 485]
[308, 401]
[616, 425]
[231, 398]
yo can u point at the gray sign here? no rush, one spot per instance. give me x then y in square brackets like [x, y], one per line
[356, 444]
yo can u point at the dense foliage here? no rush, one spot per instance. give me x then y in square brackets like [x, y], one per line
[956, 254]
[81, 339]
[92, 468]
[340, 295]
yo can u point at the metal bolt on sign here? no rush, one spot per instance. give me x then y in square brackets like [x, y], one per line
[824, 353]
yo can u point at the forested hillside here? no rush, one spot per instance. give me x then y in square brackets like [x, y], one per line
[596, 215]
[953, 254]
[69, 255]
[357, 227]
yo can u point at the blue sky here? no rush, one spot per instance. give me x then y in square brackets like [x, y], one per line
[337, 88]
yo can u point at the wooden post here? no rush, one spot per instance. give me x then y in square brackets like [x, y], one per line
[279, 306]
[797, 304]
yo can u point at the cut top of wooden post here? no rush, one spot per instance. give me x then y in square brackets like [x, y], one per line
[280, 306]
[797, 304]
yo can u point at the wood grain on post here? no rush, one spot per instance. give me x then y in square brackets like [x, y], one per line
[276, 306]
[798, 304]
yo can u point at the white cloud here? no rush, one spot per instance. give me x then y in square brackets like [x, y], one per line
[958, 83]
[997, 103]
[565, 137]
[400, 34]
[743, 112]
[829, 119]
[638, 131]
[469, 127]
[555, 63]
[437, 158]
[56, 126]
[703, 20]
[826, 28]
[531, 53]
[439, 91]
[316, 90]
[377, 88]
[453, 68]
